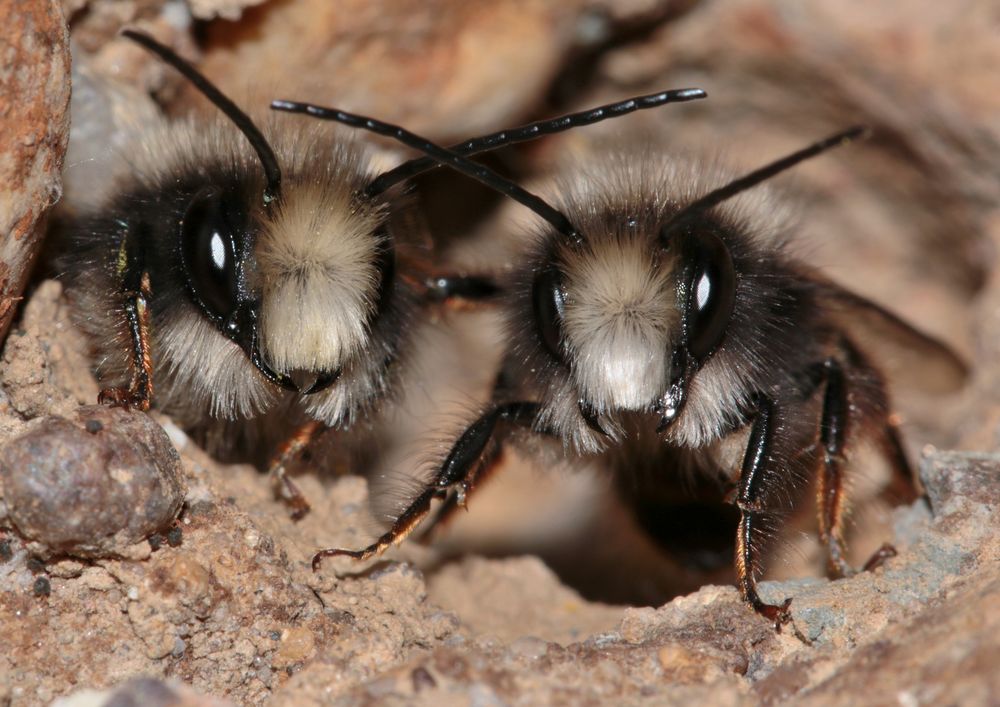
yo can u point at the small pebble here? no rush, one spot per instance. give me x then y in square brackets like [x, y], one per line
[529, 647]
[175, 536]
[422, 679]
[72, 492]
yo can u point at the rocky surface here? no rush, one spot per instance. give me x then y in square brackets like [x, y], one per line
[34, 125]
[229, 606]
[215, 603]
[91, 486]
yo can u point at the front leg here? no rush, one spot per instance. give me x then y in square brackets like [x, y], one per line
[455, 474]
[835, 432]
[753, 497]
[457, 288]
[434, 286]
[139, 393]
[288, 490]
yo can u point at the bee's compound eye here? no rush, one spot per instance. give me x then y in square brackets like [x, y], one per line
[209, 254]
[548, 302]
[711, 293]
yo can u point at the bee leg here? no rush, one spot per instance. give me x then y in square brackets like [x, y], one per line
[833, 430]
[489, 460]
[139, 393]
[447, 288]
[459, 498]
[287, 489]
[751, 502]
[454, 475]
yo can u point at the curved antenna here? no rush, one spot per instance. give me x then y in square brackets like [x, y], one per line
[272, 171]
[716, 197]
[440, 155]
[531, 131]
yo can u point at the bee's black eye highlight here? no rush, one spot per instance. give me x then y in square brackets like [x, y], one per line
[709, 292]
[548, 302]
[210, 255]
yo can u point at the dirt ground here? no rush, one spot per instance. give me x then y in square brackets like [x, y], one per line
[135, 568]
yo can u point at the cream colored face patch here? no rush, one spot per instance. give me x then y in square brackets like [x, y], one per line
[316, 260]
[226, 384]
[619, 317]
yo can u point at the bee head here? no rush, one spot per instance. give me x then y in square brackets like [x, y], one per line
[291, 270]
[634, 309]
[297, 284]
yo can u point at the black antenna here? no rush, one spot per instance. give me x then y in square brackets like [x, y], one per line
[272, 171]
[748, 181]
[439, 155]
[531, 131]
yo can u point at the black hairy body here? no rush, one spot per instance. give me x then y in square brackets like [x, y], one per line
[262, 286]
[269, 291]
[787, 324]
[202, 377]
[671, 332]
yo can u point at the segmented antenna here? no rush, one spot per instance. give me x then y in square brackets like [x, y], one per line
[716, 197]
[442, 156]
[272, 171]
[531, 131]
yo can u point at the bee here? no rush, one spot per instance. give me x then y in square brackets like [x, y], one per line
[661, 321]
[263, 284]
